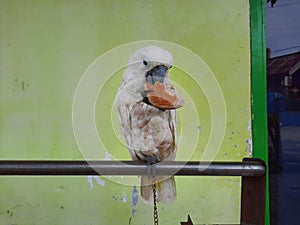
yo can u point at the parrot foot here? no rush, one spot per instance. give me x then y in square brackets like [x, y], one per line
[151, 161]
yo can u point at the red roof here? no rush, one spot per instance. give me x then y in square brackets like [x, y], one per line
[286, 64]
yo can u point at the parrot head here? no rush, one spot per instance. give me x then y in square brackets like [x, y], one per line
[149, 64]
[146, 79]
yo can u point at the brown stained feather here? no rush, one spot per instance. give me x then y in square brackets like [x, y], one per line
[149, 131]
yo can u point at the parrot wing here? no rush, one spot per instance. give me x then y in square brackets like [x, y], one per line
[150, 132]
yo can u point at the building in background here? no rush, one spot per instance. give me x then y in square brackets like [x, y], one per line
[283, 75]
[283, 79]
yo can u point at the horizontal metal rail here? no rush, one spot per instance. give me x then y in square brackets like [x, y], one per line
[252, 171]
[247, 168]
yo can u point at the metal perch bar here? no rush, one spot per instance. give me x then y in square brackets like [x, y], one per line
[252, 171]
[247, 168]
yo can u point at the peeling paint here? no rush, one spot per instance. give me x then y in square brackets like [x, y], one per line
[90, 181]
[249, 143]
[250, 126]
[134, 197]
[124, 198]
[134, 200]
[133, 212]
[98, 181]
[107, 156]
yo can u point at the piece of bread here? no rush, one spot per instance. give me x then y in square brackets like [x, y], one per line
[161, 97]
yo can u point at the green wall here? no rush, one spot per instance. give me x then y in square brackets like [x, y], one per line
[48, 46]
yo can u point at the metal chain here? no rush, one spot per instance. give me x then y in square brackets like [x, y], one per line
[155, 212]
[151, 173]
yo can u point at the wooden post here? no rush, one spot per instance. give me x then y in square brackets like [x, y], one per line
[253, 200]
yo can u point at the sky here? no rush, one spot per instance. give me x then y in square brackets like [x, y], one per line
[283, 27]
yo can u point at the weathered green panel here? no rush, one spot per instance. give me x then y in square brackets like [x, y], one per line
[47, 46]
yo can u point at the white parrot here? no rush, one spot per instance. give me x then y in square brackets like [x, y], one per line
[146, 104]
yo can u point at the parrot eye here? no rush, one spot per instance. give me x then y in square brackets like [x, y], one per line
[145, 62]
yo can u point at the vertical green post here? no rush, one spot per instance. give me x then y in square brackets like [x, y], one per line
[258, 88]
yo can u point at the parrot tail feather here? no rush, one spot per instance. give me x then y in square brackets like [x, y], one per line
[165, 189]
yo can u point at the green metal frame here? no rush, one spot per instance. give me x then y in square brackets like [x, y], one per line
[258, 88]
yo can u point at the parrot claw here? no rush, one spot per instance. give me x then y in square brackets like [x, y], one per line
[151, 161]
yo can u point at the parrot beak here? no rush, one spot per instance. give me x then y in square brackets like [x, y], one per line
[156, 74]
